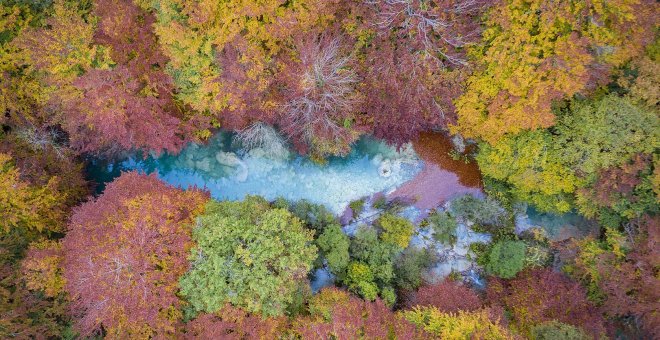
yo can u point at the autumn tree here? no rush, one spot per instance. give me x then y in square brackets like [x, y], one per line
[42, 268]
[461, 325]
[336, 314]
[247, 254]
[28, 207]
[535, 52]
[540, 295]
[619, 271]
[447, 296]
[321, 99]
[413, 63]
[233, 323]
[124, 253]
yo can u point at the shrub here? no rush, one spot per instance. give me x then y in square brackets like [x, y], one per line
[506, 258]
[443, 226]
[395, 230]
[479, 211]
[410, 267]
[357, 207]
[554, 330]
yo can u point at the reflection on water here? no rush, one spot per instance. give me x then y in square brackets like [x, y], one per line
[442, 177]
[230, 173]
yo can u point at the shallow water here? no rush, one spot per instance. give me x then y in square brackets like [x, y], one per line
[442, 178]
[230, 173]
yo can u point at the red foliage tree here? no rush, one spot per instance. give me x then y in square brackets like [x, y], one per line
[412, 70]
[626, 284]
[447, 296]
[320, 97]
[233, 323]
[540, 295]
[130, 106]
[124, 253]
[114, 114]
[347, 317]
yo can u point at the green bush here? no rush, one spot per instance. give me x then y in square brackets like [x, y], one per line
[482, 212]
[506, 258]
[443, 226]
[555, 330]
[357, 207]
[410, 267]
[315, 216]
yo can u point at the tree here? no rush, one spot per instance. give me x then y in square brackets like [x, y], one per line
[413, 63]
[124, 253]
[619, 272]
[223, 55]
[535, 52]
[552, 330]
[333, 246]
[115, 113]
[541, 295]
[32, 208]
[42, 268]
[606, 132]
[410, 267]
[621, 193]
[131, 105]
[372, 267]
[395, 230]
[233, 323]
[247, 254]
[462, 325]
[506, 258]
[321, 99]
[443, 226]
[534, 170]
[447, 296]
[336, 314]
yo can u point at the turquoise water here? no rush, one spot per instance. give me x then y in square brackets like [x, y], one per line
[229, 172]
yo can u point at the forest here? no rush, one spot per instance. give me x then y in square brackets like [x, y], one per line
[330, 169]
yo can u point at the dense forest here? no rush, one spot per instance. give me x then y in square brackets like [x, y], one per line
[553, 103]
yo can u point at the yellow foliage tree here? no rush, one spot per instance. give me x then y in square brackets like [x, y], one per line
[464, 325]
[538, 51]
[25, 206]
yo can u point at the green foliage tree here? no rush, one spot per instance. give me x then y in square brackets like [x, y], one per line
[534, 170]
[410, 266]
[247, 254]
[333, 246]
[506, 258]
[372, 267]
[607, 132]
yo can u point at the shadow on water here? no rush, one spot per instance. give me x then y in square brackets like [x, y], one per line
[442, 177]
